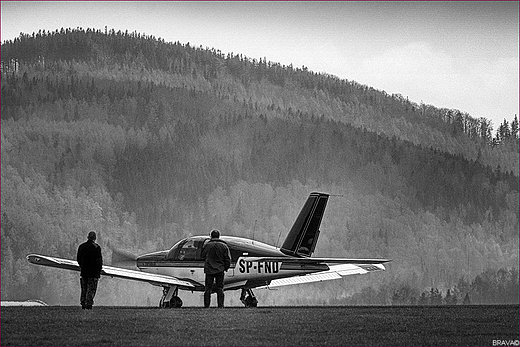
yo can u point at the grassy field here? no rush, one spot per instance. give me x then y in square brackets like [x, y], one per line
[263, 326]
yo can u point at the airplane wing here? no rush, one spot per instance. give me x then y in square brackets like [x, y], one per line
[111, 271]
[334, 272]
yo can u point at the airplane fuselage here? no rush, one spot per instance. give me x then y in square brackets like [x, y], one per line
[184, 261]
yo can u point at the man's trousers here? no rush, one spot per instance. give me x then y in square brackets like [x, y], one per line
[88, 291]
[219, 279]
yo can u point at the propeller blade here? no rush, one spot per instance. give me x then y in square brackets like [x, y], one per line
[123, 259]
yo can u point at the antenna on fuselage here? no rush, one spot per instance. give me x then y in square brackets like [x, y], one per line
[278, 241]
[254, 228]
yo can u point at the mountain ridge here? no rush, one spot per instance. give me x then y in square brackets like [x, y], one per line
[121, 53]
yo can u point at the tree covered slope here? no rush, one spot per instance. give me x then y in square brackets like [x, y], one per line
[148, 141]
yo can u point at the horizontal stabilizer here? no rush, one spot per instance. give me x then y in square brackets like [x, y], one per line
[314, 261]
[334, 272]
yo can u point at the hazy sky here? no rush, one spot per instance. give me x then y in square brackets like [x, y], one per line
[461, 55]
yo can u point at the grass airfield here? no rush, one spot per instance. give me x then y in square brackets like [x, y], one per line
[263, 326]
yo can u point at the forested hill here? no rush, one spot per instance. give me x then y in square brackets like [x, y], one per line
[148, 141]
[83, 57]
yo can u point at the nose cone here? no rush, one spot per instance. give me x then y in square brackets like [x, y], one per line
[151, 257]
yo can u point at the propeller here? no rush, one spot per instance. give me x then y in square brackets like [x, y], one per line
[123, 259]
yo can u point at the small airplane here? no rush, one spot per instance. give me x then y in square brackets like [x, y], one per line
[254, 264]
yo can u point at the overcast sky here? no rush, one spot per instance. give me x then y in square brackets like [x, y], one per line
[461, 55]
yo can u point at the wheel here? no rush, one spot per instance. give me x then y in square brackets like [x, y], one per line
[165, 304]
[250, 301]
[175, 302]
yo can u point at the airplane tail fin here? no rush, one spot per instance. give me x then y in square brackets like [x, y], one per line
[303, 236]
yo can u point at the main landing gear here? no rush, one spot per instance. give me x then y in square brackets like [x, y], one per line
[248, 298]
[170, 298]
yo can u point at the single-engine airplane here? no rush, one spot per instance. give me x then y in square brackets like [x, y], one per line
[253, 264]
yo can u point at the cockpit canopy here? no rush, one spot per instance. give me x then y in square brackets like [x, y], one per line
[188, 249]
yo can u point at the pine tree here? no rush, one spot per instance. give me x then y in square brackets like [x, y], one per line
[450, 299]
[514, 128]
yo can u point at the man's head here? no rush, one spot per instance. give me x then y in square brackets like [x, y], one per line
[215, 234]
[92, 235]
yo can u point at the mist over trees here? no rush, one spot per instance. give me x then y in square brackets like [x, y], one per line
[147, 142]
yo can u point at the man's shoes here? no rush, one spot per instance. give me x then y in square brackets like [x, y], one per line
[88, 307]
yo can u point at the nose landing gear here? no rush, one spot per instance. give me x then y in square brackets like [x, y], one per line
[170, 298]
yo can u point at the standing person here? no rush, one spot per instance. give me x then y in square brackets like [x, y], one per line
[90, 261]
[217, 259]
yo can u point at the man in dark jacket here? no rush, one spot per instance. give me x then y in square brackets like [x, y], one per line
[90, 261]
[217, 259]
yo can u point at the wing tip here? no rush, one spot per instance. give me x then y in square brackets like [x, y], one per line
[33, 258]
